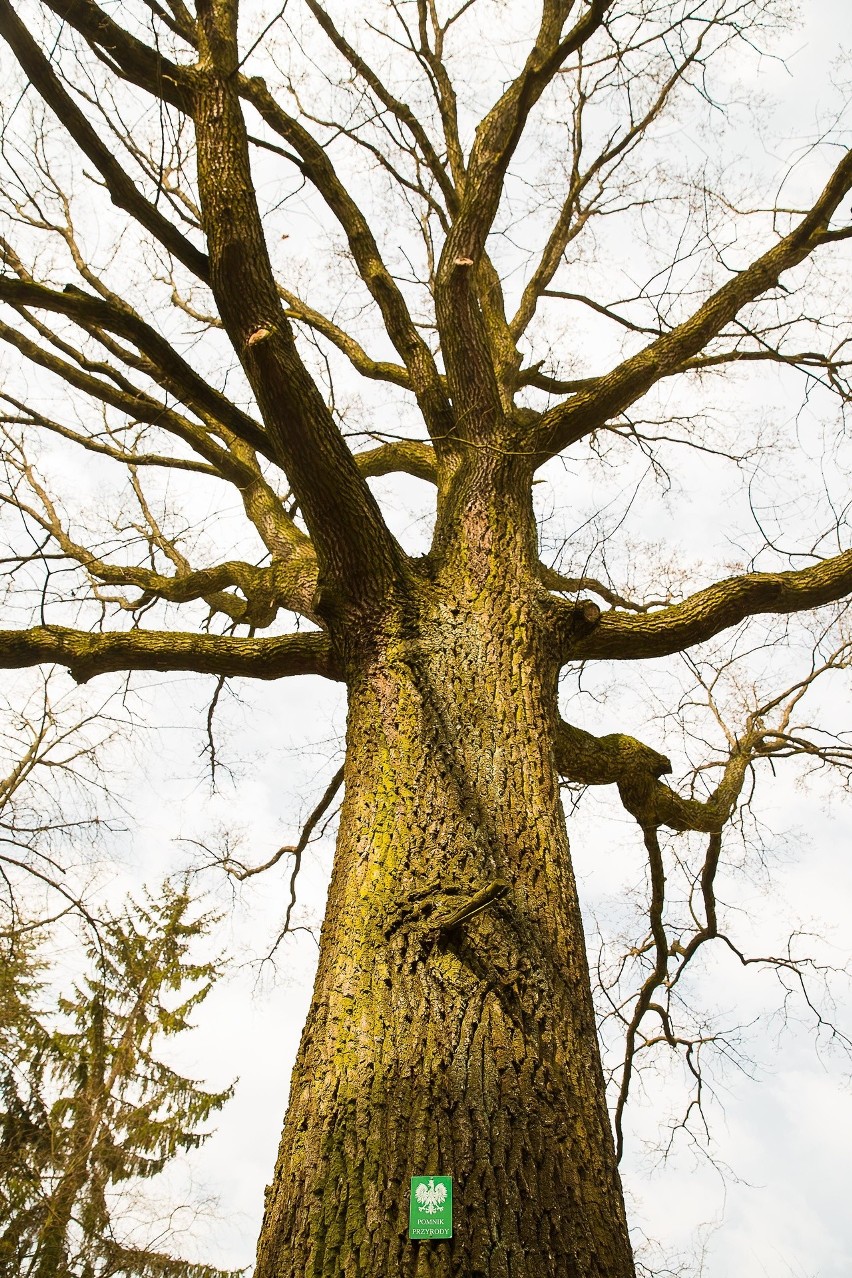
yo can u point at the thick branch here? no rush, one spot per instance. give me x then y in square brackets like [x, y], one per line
[352, 541]
[122, 190]
[126, 55]
[405, 456]
[464, 338]
[316, 165]
[612, 394]
[87, 655]
[635, 768]
[708, 612]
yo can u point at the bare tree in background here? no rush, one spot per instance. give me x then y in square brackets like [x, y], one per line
[54, 798]
[212, 227]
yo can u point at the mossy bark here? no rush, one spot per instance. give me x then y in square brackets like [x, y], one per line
[452, 1029]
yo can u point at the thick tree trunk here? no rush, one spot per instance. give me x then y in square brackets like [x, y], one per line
[452, 1029]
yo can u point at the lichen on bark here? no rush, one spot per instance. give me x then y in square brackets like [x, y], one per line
[452, 1029]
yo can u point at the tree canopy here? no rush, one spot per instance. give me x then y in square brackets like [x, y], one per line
[523, 260]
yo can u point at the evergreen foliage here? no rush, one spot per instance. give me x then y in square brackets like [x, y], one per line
[87, 1105]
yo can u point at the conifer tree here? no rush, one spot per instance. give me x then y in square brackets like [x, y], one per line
[88, 1106]
[25, 1145]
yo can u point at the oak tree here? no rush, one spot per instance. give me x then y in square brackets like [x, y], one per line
[283, 255]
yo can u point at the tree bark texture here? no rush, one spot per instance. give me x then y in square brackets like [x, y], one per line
[452, 1029]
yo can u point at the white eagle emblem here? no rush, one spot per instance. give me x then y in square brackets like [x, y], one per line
[431, 1196]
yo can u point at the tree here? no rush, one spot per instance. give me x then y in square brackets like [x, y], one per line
[453, 1027]
[53, 764]
[87, 1105]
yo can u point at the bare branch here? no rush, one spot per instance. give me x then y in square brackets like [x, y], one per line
[610, 395]
[635, 768]
[241, 872]
[87, 655]
[124, 54]
[352, 541]
[471, 374]
[415, 354]
[26, 416]
[584, 585]
[399, 110]
[123, 191]
[406, 456]
[619, 637]
[573, 215]
[376, 370]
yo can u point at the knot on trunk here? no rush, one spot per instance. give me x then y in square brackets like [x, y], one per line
[573, 621]
[436, 911]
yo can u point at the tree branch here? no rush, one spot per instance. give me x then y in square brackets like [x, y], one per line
[375, 369]
[617, 637]
[607, 396]
[136, 404]
[583, 585]
[571, 217]
[406, 456]
[399, 110]
[473, 382]
[125, 55]
[621, 760]
[353, 544]
[87, 655]
[122, 190]
[167, 365]
[242, 872]
[264, 590]
[415, 354]
[26, 416]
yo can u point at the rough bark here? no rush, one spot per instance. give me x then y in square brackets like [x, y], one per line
[452, 1028]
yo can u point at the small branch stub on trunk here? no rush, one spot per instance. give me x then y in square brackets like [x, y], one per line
[431, 1209]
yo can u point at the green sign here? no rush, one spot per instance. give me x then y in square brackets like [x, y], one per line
[431, 1211]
